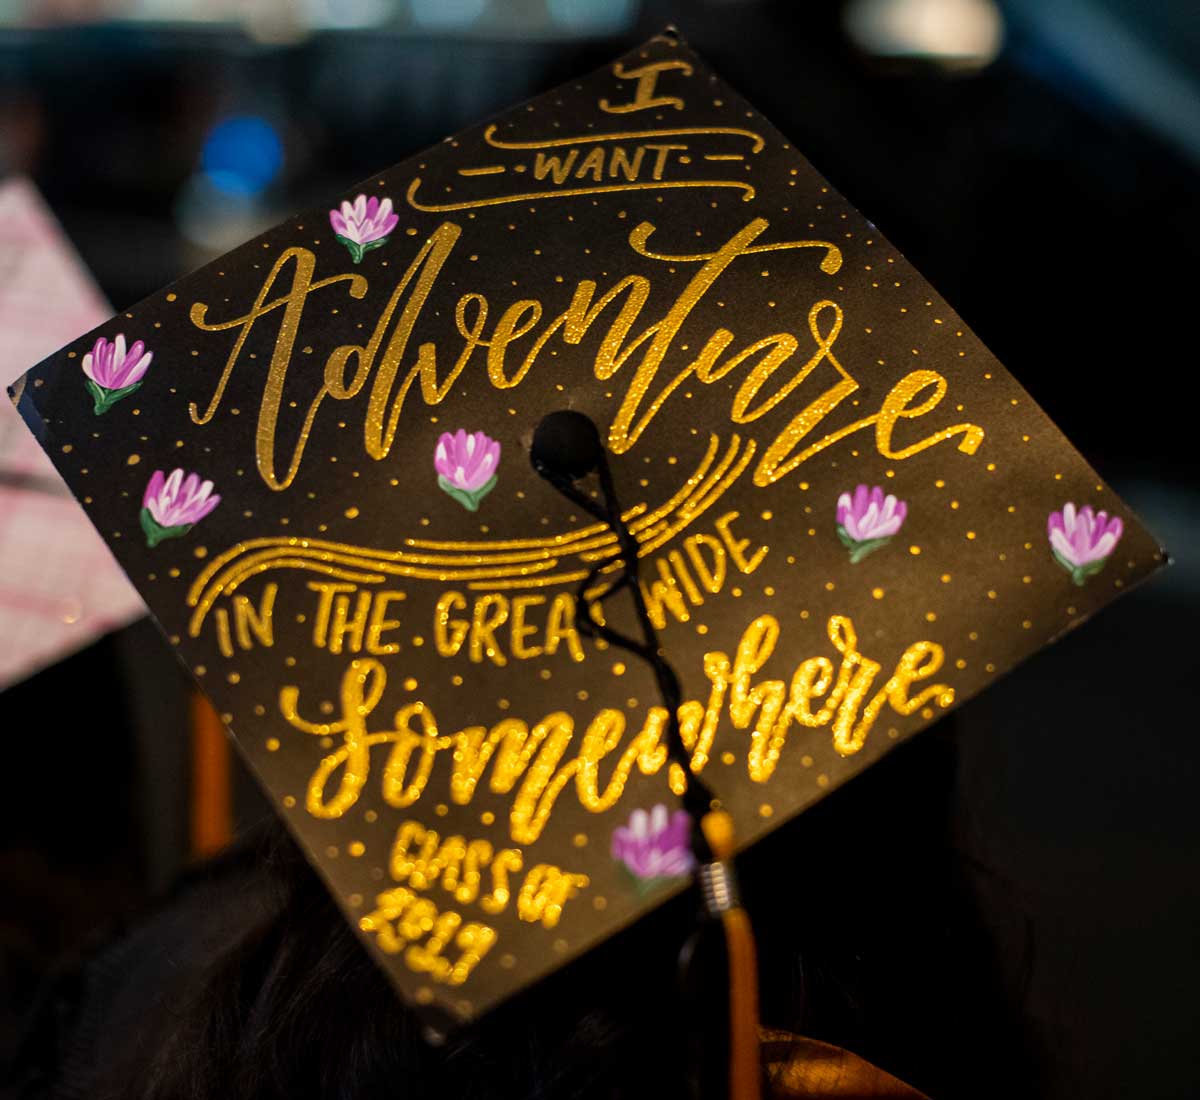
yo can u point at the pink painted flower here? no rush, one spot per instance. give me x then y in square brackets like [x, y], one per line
[655, 845]
[172, 505]
[466, 465]
[868, 520]
[114, 372]
[363, 224]
[1081, 541]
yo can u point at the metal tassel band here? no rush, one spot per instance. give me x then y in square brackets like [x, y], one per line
[718, 883]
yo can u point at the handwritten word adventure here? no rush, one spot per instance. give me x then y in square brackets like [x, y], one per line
[798, 369]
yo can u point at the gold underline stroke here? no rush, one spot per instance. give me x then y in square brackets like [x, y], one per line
[553, 544]
[638, 237]
[625, 135]
[547, 580]
[407, 565]
[747, 190]
[488, 170]
[697, 492]
[316, 555]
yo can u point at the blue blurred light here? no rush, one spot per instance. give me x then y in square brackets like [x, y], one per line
[444, 15]
[593, 16]
[242, 155]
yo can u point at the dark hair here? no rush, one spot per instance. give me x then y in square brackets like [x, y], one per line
[248, 984]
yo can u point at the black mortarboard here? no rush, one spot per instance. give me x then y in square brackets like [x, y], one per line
[335, 484]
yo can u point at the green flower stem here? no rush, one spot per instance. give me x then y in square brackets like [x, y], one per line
[356, 250]
[469, 499]
[106, 399]
[156, 533]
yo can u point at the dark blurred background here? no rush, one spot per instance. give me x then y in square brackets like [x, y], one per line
[1038, 160]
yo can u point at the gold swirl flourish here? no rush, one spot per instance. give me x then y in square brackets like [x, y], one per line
[500, 564]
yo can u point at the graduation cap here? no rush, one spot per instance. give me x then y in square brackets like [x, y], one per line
[569, 506]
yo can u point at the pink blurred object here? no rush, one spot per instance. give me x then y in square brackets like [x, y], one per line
[60, 588]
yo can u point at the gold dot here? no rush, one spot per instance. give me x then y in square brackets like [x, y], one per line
[822, 780]
[67, 448]
[728, 758]
[424, 995]
[970, 534]
[508, 961]
[618, 669]
[272, 744]
[133, 460]
[914, 550]
[200, 670]
[600, 903]
[991, 593]
[829, 586]
[877, 593]
[171, 297]
[580, 840]
[410, 684]
[1026, 624]
[441, 809]
[767, 515]
[351, 513]
[418, 641]
[356, 848]
[766, 810]
[930, 617]
[289, 801]
[201, 551]
[487, 817]
[234, 677]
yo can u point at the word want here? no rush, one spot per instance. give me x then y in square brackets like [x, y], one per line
[532, 762]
